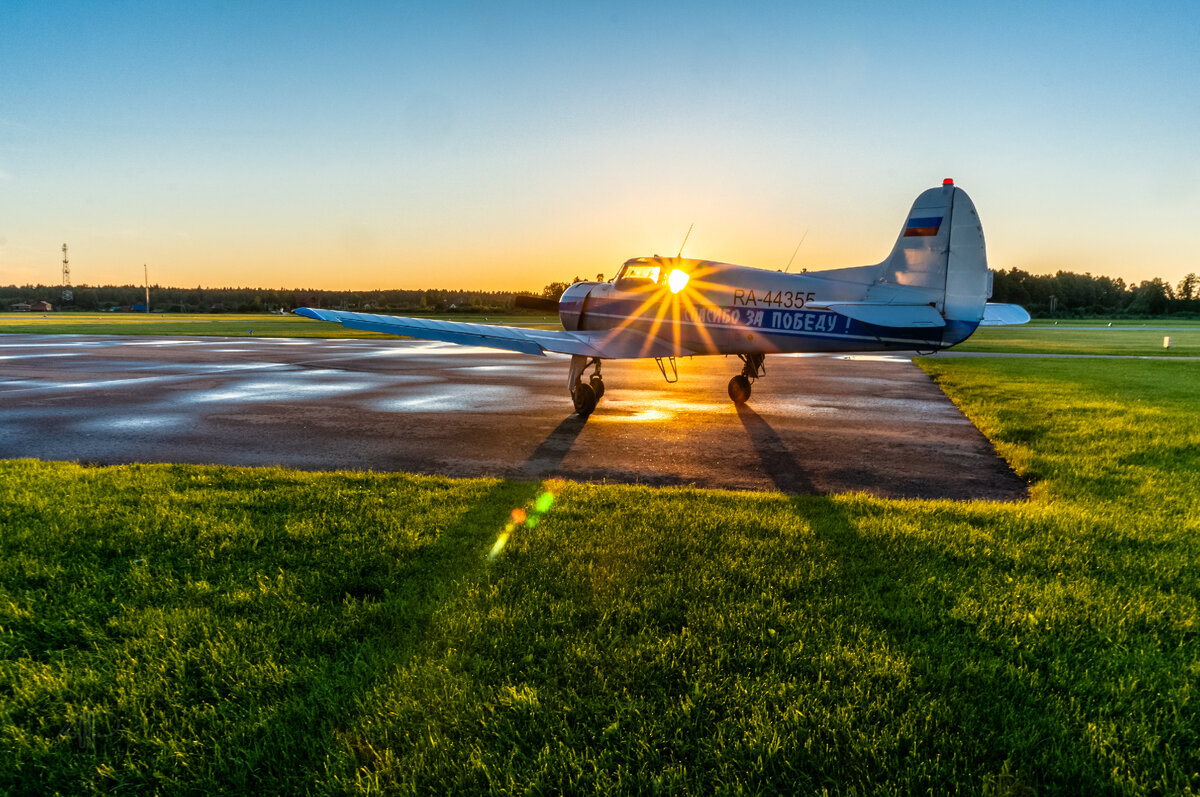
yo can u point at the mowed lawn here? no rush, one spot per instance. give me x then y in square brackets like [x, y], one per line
[1119, 337]
[188, 629]
[1126, 338]
[260, 325]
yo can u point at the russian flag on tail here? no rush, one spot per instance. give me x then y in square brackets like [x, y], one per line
[920, 227]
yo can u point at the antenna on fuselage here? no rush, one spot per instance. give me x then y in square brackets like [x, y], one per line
[689, 235]
[794, 251]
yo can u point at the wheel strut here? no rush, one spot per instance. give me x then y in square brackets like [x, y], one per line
[585, 395]
[753, 367]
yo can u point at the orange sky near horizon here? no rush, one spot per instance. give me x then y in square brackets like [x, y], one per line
[468, 145]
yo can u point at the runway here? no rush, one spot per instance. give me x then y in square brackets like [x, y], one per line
[814, 425]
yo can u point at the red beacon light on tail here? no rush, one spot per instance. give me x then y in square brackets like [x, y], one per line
[948, 181]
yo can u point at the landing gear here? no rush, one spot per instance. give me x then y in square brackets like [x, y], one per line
[739, 389]
[585, 395]
[585, 399]
[752, 368]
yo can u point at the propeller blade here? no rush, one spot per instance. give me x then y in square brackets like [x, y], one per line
[536, 303]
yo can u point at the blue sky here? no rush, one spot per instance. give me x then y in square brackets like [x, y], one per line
[505, 146]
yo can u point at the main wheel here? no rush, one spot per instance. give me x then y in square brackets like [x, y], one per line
[585, 399]
[597, 387]
[739, 389]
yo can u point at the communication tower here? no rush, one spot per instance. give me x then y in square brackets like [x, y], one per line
[67, 293]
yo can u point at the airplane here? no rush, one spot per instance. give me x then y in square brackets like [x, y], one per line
[929, 294]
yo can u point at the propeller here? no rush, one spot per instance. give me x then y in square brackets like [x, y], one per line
[535, 303]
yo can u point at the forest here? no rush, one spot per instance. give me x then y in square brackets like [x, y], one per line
[254, 300]
[1062, 295]
[1070, 295]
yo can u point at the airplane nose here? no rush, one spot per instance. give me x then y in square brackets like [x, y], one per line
[572, 303]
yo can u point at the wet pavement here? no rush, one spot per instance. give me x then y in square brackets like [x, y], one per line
[815, 424]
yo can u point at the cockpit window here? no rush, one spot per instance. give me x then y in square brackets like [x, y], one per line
[637, 274]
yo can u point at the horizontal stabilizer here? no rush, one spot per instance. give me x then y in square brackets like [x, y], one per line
[999, 315]
[890, 315]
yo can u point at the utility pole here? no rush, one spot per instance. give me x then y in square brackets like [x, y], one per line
[146, 272]
[67, 293]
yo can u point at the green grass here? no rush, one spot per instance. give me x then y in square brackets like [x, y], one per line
[187, 629]
[1070, 337]
[1133, 338]
[222, 325]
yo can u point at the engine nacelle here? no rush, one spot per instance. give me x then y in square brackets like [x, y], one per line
[572, 305]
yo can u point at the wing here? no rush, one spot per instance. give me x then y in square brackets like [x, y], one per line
[614, 344]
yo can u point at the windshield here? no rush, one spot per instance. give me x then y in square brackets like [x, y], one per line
[637, 274]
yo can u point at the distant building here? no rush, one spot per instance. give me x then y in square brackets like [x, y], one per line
[20, 307]
[40, 307]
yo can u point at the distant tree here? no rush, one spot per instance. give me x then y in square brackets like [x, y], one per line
[1189, 288]
[555, 289]
[1151, 297]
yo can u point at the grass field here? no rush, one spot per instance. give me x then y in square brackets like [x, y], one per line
[1069, 337]
[222, 325]
[1137, 338]
[186, 629]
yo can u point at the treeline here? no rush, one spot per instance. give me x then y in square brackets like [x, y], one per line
[255, 300]
[1064, 294]
[1067, 294]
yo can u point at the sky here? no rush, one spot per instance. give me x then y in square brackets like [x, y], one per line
[504, 146]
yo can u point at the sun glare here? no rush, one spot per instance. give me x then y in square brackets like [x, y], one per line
[676, 280]
[667, 302]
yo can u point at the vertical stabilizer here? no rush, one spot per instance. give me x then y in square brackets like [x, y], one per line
[940, 256]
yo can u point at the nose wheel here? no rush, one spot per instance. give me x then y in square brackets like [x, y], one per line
[585, 395]
[753, 367]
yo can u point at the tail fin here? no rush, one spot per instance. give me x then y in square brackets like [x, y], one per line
[940, 254]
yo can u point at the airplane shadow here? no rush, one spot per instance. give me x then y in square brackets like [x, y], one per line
[551, 452]
[777, 461]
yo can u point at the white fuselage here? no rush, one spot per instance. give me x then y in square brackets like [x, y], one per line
[728, 309]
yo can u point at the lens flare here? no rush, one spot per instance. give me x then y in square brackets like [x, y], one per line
[498, 548]
[667, 303]
[519, 517]
[677, 280]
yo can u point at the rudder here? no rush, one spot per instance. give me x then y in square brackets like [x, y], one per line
[940, 256]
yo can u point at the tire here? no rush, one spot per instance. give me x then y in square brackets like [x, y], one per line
[598, 387]
[585, 399]
[739, 389]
